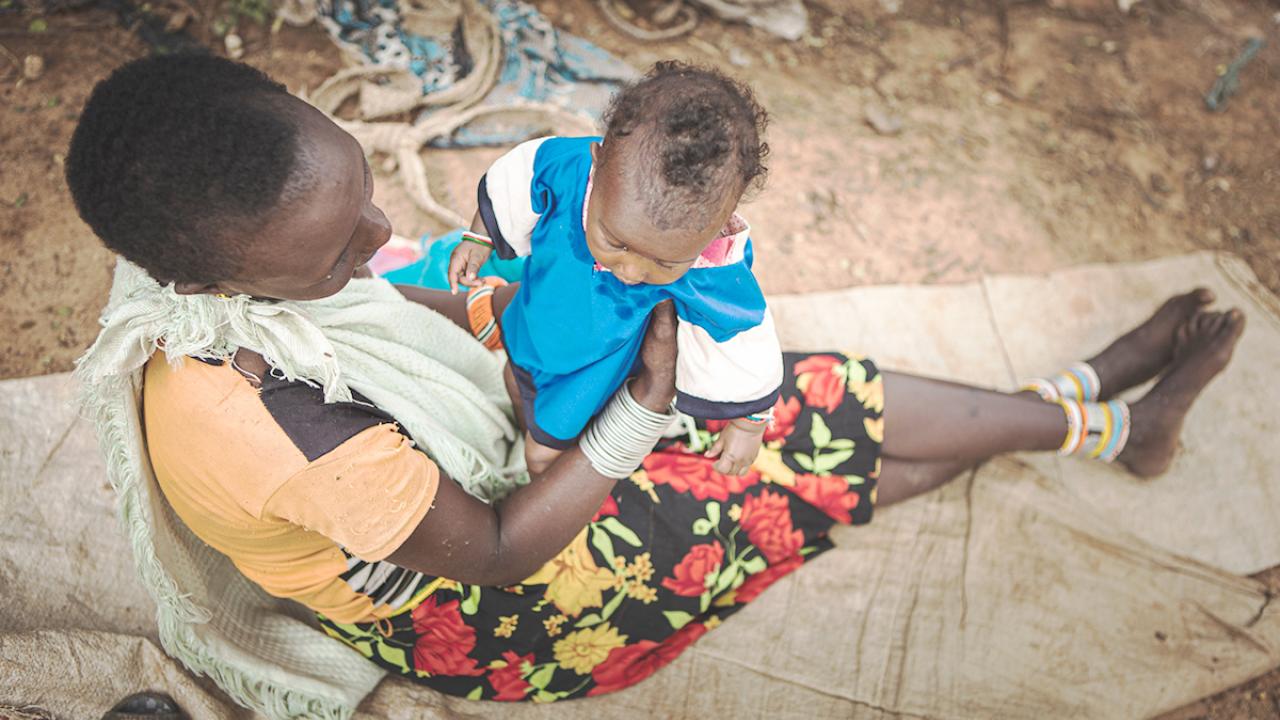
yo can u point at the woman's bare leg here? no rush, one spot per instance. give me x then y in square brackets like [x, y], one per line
[903, 479]
[934, 429]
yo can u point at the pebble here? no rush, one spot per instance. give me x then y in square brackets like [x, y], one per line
[739, 57]
[389, 165]
[893, 7]
[881, 119]
[992, 98]
[235, 46]
[1220, 184]
[1209, 162]
[1110, 47]
[32, 67]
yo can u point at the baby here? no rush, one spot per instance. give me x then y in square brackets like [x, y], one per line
[613, 226]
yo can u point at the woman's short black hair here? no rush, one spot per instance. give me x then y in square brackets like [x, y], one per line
[703, 130]
[174, 160]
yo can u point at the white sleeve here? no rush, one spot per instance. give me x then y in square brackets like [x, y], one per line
[730, 379]
[505, 200]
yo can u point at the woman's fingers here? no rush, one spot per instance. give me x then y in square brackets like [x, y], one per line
[655, 383]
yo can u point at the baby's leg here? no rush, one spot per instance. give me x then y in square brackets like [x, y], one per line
[538, 457]
[513, 392]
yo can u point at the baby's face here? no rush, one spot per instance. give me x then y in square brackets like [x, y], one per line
[623, 239]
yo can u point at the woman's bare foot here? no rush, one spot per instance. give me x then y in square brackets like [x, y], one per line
[1204, 350]
[1140, 354]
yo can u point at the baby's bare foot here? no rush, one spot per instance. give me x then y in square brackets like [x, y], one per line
[1204, 349]
[1143, 352]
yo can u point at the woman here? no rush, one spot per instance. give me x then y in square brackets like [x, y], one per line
[212, 178]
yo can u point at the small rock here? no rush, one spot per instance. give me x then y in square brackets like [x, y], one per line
[992, 98]
[1126, 5]
[177, 21]
[893, 7]
[1110, 47]
[1209, 162]
[235, 46]
[1220, 184]
[59, 158]
[389, 165]
[739, 57]
[32, 67]
[1161, 636]
[882, 120]
[1160, 185]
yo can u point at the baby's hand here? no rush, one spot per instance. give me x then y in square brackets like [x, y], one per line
[465, 262]
[737, 446]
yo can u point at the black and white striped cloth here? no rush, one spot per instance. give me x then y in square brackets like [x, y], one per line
[383, 582]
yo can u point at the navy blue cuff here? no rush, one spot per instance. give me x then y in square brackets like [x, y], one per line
[528, 394]
[500, 244]
[713, 410]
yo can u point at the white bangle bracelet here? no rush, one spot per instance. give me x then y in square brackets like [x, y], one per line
[620, 437]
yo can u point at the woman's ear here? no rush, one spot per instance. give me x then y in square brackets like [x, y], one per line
[194, 288]
[595, 152]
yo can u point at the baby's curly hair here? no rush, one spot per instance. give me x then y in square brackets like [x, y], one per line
[704, 131]
[174, 160]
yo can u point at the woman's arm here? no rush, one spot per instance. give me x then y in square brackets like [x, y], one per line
[464, 539]
[453, 306]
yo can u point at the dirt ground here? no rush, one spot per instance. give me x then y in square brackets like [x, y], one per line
[1034, 135]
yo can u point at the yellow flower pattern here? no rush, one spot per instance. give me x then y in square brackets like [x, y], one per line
[573, 579]
[553, 623]
[581, 651]
[868, 392]
[641, 568]
[771, 468]
[506, 626]
[875, 428]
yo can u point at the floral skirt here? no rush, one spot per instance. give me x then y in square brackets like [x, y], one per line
[673, 551]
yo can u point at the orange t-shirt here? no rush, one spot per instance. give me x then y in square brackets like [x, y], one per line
[306, 498]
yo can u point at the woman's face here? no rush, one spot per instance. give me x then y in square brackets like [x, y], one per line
[310, 246]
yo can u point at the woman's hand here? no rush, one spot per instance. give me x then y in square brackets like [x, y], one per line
[737, 447]
[464, 539]
[655, 385]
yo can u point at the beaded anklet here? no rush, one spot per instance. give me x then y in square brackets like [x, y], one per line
[1096, 430]
[1078, 382]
